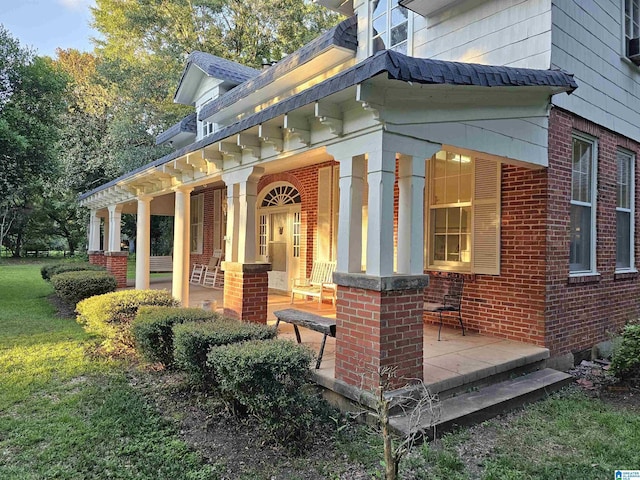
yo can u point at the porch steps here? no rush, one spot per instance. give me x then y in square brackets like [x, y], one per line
[486, 402]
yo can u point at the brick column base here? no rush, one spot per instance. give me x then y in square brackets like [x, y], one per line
[96, 257]
[379, 324]
[246, 291]
[116, 263]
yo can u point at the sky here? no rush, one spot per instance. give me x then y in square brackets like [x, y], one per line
[48, 24]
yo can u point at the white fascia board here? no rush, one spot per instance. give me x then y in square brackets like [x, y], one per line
[344, 7]
[428, 7]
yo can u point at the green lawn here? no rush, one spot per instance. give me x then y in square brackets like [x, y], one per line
[65, 415]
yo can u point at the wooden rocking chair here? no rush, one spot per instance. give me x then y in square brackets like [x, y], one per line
[210, 276]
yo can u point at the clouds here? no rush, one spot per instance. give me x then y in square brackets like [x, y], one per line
[76, 5]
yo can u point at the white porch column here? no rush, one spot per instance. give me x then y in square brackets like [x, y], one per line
[381, 175]
[349, 255]
[411, 172]
[94, 232]
[143, 242]
[181, 245]
[115, 221]
[233, 222]
[242, 190]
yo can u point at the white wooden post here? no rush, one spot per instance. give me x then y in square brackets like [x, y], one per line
[115, 221]
[349, 255]
[411, 178]
[233, 222]
[381, 175]
[181, 245]
[94, 232]
[143, 242]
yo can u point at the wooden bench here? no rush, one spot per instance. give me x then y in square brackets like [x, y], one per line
[319, 284]
[160, 263]
[324, 325]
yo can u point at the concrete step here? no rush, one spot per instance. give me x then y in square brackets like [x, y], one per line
[487, 402]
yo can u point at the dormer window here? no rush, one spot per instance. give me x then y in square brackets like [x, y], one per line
[207, 128]
[390, 26]
[632, 30]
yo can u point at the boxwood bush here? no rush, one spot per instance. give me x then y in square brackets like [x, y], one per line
[110, 315]
[152, 330]
[74, 286]
[48, 271]
[271, 381]
[625, 362]
[192, 342]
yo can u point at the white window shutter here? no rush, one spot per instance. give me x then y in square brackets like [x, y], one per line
[323, 232]
[486, 217]
[217, 219]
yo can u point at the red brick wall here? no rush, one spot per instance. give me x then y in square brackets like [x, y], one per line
[207, 241]
[98, 259]
[245, 296]
[510, 305]
[117, 266]
[378, 329]
[579, 315]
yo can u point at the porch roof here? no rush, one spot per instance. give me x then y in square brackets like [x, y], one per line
[186, 125]
[397, 67]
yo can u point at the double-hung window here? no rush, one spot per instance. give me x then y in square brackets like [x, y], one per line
[631, 22]
[582, 250]
[390, 26]
[197, 223]
[625, 212]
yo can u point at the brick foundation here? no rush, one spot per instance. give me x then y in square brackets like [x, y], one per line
[246, 291]
[116, 264]
[378, 328]
[97, 258]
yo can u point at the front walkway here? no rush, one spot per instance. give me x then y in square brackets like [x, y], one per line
[449, 363]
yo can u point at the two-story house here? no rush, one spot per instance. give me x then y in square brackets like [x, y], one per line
[495, 138]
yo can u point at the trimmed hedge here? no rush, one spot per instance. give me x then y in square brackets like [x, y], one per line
[192, 342]
[110, 315]
[48, 271]
[74, 286]
[153, 334]
[268, 379]
[625, 362]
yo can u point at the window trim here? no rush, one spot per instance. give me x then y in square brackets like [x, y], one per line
[625, 33]
[410, 28]
[593, 204]
[197, 201]
[631, 210]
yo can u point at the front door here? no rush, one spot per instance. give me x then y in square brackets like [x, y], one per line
[279, 234]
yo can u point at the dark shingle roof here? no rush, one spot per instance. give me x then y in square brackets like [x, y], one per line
[342, 35]
[187, 124]
[221, 68]
[397, 67]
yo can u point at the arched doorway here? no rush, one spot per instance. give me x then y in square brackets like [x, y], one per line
[279, 232]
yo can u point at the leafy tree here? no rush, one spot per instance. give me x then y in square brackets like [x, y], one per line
[31, 102]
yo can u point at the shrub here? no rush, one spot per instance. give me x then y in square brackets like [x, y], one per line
[48, 271]
[192, 342]
[152, 330]
[109, 316]
[625, 363]
[77, 285]
[268, 379]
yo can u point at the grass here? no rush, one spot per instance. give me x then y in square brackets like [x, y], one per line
[64, 415]
[569, 435]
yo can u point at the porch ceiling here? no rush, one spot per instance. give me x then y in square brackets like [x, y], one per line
[414, 94]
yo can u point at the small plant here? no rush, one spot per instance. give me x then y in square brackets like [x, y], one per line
[192, 342]
[152, 330]
[73, 286]
[625, 363]
[110, 315]
[48, 271]
[269, 380]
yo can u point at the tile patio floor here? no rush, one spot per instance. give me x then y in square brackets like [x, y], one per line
[451, 362]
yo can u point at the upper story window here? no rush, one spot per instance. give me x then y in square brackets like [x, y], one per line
[207, 128]
[390, 26]
[582, 250]
[632, 29]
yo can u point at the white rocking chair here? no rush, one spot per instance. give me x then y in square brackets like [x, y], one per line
[210, 276]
